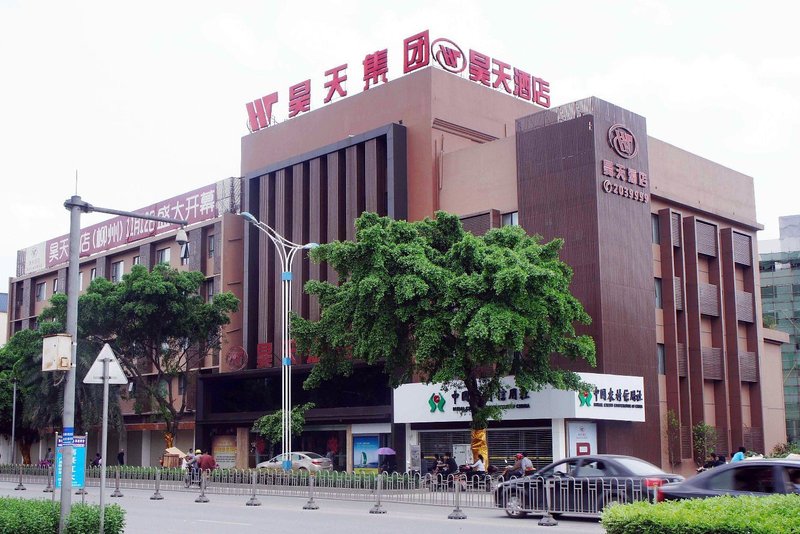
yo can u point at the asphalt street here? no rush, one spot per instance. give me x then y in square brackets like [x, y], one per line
[178, 513]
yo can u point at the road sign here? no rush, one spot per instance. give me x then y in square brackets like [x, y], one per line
[115, 373]
[78, 460]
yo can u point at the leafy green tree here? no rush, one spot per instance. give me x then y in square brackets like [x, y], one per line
[40, 395]
[270, 426]
[704, 438]
[430, 301]
[160, 329]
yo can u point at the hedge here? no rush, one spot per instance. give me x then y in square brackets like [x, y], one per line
[25, 516]
[773, 514]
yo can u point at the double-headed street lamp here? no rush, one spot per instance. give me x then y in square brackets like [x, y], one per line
[76, 206]
[286, 253]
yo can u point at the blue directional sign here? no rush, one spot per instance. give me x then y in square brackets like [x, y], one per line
[78, 459]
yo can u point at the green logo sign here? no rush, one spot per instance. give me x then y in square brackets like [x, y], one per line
[436, 402]
[586, 398]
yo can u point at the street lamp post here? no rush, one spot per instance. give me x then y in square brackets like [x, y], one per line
[14, 423]
[76, 206]
[287, 251]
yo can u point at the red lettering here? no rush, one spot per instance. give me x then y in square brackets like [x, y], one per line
[479, 65]
[417, 52]
[299, 98]
[522, 84]
[335, 83]
[502, 77]
[541, 92]
[375, 68]
[260, 112]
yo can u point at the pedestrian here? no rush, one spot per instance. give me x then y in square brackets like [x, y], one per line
[97, 461]
[739, 456]
[207, 461]
[121, 457]
[50, 456]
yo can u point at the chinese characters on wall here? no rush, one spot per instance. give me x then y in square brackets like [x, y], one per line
[418, 50]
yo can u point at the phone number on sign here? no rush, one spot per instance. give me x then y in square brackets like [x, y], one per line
[626, 192]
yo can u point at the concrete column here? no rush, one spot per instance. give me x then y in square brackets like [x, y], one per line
[559, 430]
[146, 434]
[242, 447]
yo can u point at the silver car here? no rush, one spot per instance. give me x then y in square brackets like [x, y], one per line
[301, 461]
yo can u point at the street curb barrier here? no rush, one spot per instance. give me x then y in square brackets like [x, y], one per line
[378, 509]
[457, 513]
[547, 520]
[20, 487]
[311, 505]
[202, 497]
[253, 499]
[49, 488]
[157, 495]
[117, 492]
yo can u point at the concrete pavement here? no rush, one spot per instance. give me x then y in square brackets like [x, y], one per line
[178, 513]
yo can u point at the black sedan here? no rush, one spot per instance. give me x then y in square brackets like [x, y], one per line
[581, 485]
[748, 477]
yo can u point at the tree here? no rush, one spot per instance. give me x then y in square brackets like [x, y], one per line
[704, 438]
[270, 426]
[431, 301]
[673, 438]
[40, 395]
[160, 328]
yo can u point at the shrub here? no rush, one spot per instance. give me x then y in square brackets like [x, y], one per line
[782, 450]
[27, 516]
[773, 514]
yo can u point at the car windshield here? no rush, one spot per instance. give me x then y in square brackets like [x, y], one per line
[638, 467]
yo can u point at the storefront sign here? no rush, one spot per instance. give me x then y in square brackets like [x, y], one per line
[418, 50]
[417, 402]
[223, 449]
[582, 437]
[625, 181]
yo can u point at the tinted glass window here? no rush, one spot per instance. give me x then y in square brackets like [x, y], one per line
[567, 467]
[313, 455]
[634, 467]
[793, 478]
[753, 478]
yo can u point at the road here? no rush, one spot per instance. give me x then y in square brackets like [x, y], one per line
[178, 513]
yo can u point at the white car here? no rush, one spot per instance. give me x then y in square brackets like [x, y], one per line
[301, 461]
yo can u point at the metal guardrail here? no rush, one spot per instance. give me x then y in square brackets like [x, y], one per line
[534, 495]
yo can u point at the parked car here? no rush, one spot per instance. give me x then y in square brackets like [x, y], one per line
[748, 477]
[301, 461]
[581, 484]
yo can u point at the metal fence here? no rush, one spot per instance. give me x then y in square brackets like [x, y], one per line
[535, 495]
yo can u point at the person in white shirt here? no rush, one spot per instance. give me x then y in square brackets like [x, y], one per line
[478, 466]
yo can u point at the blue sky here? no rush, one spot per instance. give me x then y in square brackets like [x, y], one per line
[146, 100]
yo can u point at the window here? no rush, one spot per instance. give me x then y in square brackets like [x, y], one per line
[80, 281]
[661, 355]
[41, 289]
[55, 286]
[181, 384]
[116, 271]
[511, 219]
[659, 303]
[137, 260]
[92, 274]
[796, 290]
[162, 255]
[211, 246]
[768, 292]
[655, 226]
[209, 290]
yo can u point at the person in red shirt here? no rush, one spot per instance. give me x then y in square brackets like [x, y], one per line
[207, 461]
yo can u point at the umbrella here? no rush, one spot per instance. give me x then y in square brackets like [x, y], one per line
[385, 451]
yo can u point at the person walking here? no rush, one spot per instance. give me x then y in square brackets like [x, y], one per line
[121, 457]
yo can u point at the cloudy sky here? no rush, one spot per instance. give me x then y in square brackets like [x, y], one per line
[146, 99]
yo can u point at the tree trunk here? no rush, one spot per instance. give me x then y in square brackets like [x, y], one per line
[24, 452]
[480, 446]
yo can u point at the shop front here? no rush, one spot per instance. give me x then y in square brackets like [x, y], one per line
[546, 425]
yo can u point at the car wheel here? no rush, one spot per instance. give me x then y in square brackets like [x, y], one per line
[514, 504]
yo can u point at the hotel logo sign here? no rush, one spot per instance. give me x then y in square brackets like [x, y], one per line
[622, 141]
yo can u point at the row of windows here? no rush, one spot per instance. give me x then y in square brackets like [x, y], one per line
[117, 269]
[771, 292]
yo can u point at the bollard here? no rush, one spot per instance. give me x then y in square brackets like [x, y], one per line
[83, 496]
[547, 520]
[378, 509]
[49, 488]
[20, 487]
[157, 495]
[253, 499]
[117, 492]
[311, 505]
[202, 497]
[457, 513]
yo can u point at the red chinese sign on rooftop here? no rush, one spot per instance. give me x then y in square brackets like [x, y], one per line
[418, 50]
